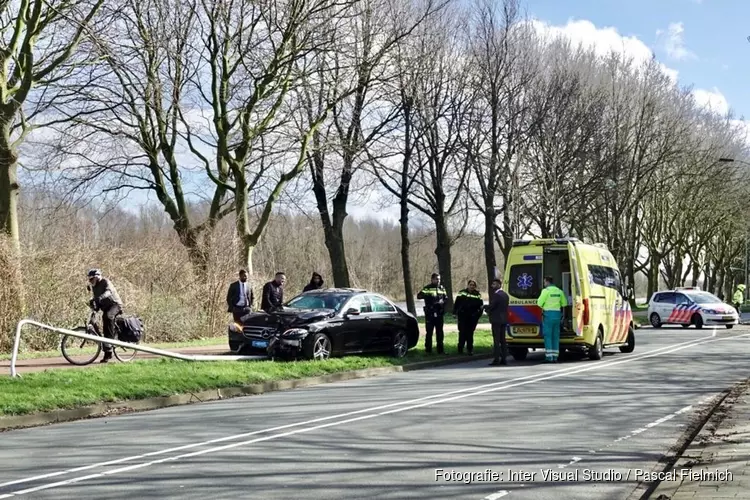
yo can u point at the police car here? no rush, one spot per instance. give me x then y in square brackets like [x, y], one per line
[690, 306]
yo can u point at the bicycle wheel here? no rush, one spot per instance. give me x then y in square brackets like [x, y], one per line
[79, 351]
[124, 354]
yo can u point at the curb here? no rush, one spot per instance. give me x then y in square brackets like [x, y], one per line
[665, 489]
[137, 405]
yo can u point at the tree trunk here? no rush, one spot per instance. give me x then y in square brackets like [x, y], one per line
[443, 253]
[653, 274]
[405, 256]
[9, 192]
[489, 243]
[696, 273]
[334, 240]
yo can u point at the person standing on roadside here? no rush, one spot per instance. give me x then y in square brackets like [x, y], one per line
[316, 283]
[273, 293]
[552, 301]
[240, 297]
[434, 309]
[468, 308]
[497, 310]
[739, 298]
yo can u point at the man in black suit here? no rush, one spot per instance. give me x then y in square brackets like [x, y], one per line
[498, 313]
[240, 297]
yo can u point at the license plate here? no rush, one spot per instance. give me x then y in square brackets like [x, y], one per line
[260, 343]
[524, 330]
[728, 318]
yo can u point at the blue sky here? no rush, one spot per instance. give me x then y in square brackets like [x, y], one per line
[705, 41]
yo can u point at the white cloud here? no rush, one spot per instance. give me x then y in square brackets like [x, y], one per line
[602, 40]
[712, 100]
[673, 42]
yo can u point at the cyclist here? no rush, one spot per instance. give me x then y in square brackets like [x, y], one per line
[107, 300]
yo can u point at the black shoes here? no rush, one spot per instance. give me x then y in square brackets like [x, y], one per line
[498, 362]
[107, 357]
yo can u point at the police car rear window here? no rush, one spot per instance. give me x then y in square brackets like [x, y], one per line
[524, 281]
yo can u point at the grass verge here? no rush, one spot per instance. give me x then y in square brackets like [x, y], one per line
[71, 388]
[222, 339]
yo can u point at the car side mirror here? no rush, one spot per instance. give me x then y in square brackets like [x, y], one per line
[351, 312]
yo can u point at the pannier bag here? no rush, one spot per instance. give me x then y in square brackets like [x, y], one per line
[131, 329]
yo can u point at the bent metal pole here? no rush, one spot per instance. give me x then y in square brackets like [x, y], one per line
[136, 347]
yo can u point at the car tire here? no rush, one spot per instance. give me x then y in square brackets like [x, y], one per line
[596, 352]
[729, 327]
[697, 320]
[519, 353]
[685, 326]
[400, 345]
[318, 348]
[630, 347]
[655, 320]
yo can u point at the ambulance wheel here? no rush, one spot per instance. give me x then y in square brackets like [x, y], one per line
[630, 347]
[655, 320]
[596, 351]
[519, 353]
[698, 321]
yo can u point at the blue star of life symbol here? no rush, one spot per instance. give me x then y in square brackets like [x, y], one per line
[525, 281]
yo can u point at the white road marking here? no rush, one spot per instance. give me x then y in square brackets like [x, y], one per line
[430, 401]
[494, 496]
[575, 460]
[323, 419]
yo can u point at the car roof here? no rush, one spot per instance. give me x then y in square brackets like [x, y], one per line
[352, 291]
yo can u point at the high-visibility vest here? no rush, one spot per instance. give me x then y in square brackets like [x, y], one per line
[552, 299]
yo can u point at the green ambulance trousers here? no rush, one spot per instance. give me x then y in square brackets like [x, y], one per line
[551, 331]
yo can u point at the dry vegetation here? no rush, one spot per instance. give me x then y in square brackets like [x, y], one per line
[151, 270]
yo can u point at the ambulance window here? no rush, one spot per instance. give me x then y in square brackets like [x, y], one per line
[524, 281]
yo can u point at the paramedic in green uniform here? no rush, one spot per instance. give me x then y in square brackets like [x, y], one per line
[552, 301]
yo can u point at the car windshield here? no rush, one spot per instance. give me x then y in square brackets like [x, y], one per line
[319, 301]
[704, 298]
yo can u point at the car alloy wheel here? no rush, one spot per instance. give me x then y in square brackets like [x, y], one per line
[655, 320]
[400, 345]
[321, 347]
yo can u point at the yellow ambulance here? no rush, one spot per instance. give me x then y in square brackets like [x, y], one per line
[598, 315]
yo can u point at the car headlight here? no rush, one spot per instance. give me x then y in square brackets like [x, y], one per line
[235, 328]
[294, 332]
[710, 311]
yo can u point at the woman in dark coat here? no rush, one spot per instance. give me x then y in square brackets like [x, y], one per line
[316, 283]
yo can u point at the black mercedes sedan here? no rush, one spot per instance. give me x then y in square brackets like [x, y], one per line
[330, 322]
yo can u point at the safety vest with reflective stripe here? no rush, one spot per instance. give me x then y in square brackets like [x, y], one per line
[552, 299]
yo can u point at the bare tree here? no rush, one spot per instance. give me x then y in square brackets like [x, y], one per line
[503, 68]
[360, 115]
[132, 138]
[564, 119]
[251, 55]
[441, 112]
[39, 43]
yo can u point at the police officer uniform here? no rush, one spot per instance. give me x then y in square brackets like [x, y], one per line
[434, 309]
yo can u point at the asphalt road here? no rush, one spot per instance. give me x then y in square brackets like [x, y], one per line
[385, 437]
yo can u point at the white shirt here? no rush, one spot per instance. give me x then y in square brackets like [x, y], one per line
[243, 295]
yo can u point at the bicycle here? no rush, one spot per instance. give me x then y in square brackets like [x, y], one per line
[74, 348]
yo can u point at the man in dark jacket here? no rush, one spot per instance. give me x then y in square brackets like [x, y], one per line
[240, 297]
[468, 308]
[316, 283]
[498, 313]
[434, 309]
[107, 300]
[273, 293]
